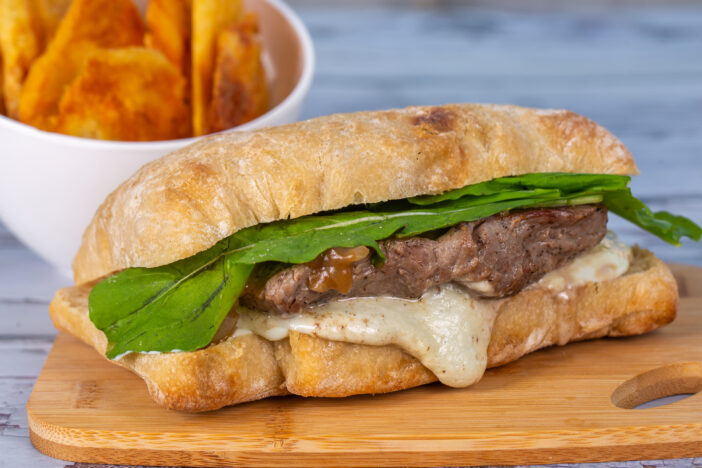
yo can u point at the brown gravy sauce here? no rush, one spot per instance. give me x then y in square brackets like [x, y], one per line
[333, 269]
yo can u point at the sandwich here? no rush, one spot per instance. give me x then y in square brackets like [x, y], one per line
[366, 253]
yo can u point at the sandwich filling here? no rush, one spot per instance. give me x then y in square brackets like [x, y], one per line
[492, 257]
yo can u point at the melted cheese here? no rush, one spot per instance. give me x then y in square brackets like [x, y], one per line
[447, 330]
[606, 261]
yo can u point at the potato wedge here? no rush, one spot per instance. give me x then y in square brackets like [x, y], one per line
[88, 25]
[131, 93]
[21, 41]
[168, 23]
[239, 84]
[51, 12]
[210, 17]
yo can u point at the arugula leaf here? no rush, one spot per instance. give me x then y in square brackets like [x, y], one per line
[174, 307]
[617, 197]
[180, 306]
[669, 227]
[565, 182]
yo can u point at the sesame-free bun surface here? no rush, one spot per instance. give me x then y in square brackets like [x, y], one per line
[245, 368]
[185, 202]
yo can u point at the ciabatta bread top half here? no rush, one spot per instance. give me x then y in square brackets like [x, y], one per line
[187, 201]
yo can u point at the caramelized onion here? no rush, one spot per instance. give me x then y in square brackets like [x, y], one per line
[333, 269]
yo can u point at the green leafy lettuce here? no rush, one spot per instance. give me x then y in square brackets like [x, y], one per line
[180, 306]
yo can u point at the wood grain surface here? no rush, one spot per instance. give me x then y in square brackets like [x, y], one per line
[633, 66]
[563, 404]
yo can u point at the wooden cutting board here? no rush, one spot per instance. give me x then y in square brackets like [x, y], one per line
[552, 406]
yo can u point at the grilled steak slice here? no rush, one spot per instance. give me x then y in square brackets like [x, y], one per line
[493, 257]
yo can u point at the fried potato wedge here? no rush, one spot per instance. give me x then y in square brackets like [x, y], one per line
[132, 94]
[88, 25]
[239, 83]
[209, 18]
[51, 12]
[21, 41]
[168, 23]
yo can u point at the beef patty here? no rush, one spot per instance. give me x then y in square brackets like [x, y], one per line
[492, 257]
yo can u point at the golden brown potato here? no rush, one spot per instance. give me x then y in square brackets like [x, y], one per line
[50, 13]
[239, 83]
[131, 93]
[21, 41]
[168, 22]
[88, 25]
[210, 17]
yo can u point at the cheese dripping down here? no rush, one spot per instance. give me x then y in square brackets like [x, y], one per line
[447, 330]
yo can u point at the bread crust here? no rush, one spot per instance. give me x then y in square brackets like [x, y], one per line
[247, 367]
[185, 202]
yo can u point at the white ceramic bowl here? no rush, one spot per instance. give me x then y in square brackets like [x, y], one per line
[51, 184]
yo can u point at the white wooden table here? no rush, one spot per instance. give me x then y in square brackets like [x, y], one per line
[637, 71]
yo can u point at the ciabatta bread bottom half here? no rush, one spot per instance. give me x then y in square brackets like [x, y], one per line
[247, 367]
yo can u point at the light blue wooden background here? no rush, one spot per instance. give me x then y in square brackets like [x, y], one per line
[636, 70]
